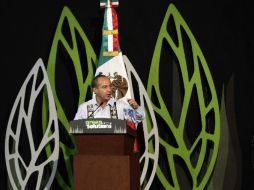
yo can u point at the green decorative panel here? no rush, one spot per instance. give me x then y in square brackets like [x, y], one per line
[198, 155]
[68, 41]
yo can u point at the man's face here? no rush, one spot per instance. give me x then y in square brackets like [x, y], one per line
[103, 89]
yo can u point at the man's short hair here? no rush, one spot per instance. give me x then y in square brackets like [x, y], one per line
[95, 80]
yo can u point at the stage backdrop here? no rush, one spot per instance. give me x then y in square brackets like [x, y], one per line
[190, 63]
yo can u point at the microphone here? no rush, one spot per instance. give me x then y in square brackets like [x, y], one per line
[116, 110]
[95, 110]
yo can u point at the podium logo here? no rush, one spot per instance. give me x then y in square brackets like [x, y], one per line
[98, 125]
[103, 126]
[94, 123]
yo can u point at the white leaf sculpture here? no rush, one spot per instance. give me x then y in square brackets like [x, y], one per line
[151, 135]
[21, 167]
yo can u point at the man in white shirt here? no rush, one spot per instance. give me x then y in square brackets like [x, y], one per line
[104, 106]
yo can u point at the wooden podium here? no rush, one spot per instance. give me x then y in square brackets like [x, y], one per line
[105, 158]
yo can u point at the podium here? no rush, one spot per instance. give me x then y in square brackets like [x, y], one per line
[105, 158]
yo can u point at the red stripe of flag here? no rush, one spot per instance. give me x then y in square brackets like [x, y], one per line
[115, 27]
[115, 42]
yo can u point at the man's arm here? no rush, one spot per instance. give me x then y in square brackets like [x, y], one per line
[134, 112]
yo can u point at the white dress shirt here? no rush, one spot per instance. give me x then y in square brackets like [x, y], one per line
[91, 109]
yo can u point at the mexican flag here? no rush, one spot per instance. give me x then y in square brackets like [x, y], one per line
[111, 61]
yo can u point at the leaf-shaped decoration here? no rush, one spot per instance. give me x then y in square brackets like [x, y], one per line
[69, 36]
[20, 167]
[233, 170]
[227, 172]
[149, 158]
[197, 157]
[220, 168]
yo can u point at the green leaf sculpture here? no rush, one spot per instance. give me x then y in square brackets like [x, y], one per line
[72, 48]
[204, 148]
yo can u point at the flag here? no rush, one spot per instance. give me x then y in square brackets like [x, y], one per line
[111, 61]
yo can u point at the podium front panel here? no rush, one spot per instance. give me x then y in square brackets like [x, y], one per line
[102, 172]
[104, 144]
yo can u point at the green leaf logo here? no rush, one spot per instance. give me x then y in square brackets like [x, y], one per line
[69, 37]
[191, 148]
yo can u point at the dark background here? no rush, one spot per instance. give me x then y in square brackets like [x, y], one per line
[223, 30]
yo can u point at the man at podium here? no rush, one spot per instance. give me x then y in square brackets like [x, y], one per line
[111, 159]
[102, 105]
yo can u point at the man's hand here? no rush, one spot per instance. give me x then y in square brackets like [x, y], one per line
[133, 103]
